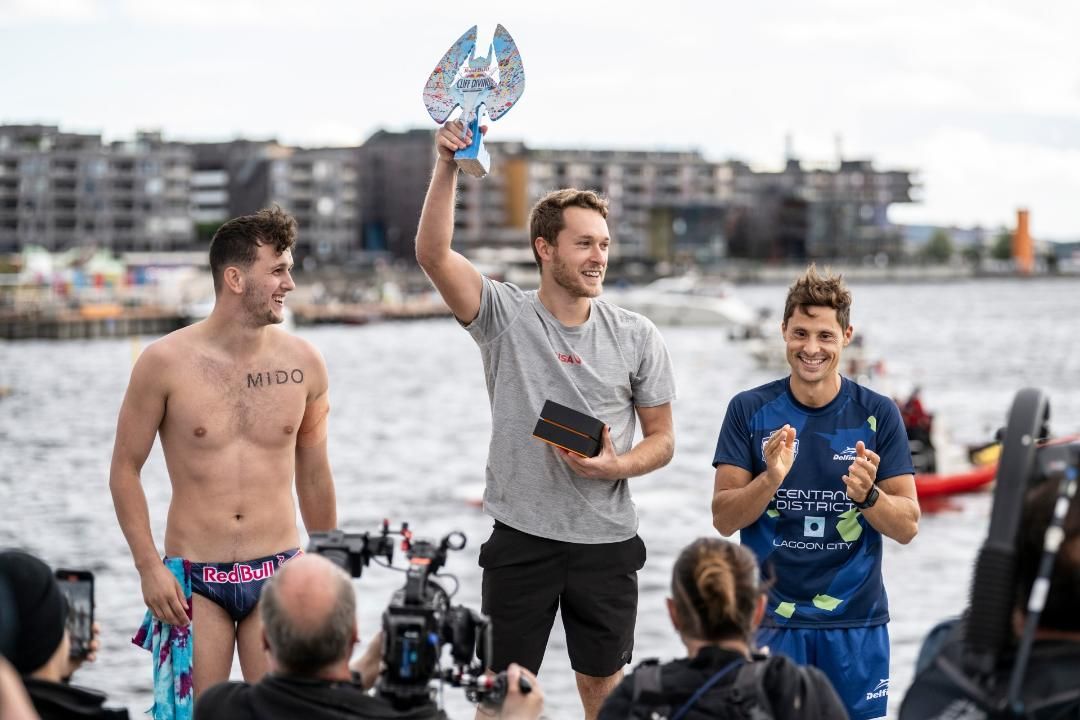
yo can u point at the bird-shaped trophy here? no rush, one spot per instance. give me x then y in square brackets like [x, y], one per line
[463, 79]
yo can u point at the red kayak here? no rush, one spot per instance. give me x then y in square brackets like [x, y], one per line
[929, 485]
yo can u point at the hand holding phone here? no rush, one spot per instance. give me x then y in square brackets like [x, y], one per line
[78, 588]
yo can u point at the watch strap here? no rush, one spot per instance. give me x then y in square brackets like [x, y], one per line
[870, 499]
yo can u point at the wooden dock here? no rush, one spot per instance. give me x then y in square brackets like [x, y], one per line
[363, 313]
[89, 322]
[112, 321]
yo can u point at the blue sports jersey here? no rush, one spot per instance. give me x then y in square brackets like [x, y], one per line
[824, 556]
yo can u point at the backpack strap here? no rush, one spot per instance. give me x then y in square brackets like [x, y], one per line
[647, 679]
[648, 695]
[749, 689]
[681, 712]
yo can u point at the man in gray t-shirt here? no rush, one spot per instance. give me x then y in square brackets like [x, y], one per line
[565, 527]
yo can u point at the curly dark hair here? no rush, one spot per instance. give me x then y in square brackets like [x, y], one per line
[237, 242]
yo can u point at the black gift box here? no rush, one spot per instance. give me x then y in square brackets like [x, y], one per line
[569, 429]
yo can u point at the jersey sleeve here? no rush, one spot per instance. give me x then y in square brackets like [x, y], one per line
[734, 446]
[892, 443]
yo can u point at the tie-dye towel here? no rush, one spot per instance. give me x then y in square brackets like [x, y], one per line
[170, 647]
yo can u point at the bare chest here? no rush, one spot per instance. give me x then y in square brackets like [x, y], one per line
[216, 404]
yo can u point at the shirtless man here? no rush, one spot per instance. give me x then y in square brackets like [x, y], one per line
[240, 406]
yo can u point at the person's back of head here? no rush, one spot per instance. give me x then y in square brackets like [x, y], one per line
[308, 611]
[36, 631]
[715, 590]
[1059, 614]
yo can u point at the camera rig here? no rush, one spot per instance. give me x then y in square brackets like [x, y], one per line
[977, 665]
[420, 622]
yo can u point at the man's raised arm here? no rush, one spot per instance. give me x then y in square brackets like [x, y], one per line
[456, 279]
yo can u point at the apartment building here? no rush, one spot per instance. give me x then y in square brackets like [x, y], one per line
[828, 212]
[318, 186]
[492, 212]
[60, 190]
[393, 174]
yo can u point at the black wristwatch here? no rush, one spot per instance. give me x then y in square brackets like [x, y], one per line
[869, 500]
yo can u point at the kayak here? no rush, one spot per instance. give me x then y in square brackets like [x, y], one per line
[933, 485]
[985, 454]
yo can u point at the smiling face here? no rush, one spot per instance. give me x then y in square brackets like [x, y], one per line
[815, 340]
[577, 260]
[266, 283]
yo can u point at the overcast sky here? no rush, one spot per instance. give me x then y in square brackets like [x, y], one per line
[982, 99]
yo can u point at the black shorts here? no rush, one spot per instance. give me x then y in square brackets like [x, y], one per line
[526, 578]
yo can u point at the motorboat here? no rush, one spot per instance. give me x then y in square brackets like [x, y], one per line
[685, 300]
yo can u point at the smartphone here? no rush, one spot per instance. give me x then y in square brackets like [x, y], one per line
[78, 588]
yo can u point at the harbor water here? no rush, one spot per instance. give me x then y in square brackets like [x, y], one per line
[408, 438]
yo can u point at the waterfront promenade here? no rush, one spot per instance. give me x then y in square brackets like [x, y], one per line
[327, 298]
[91, 322]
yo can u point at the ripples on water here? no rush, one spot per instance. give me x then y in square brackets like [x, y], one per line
[408, 438]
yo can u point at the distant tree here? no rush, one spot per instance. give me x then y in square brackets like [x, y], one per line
[939, 248]
[1002, 248]
[973, 254]
[1052, 262]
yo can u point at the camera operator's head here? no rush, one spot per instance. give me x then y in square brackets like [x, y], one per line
[308, 611]
[39, 613]
[1059, 614]
[716, 594]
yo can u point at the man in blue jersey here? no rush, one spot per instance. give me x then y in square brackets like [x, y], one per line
[814, 469]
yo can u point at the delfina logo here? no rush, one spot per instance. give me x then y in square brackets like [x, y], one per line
[880, 690]
[847, 455]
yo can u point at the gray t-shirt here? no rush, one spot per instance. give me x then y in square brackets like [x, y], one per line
[605, 367]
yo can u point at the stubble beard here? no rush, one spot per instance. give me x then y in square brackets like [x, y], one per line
[570, 281]
[256, 313]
